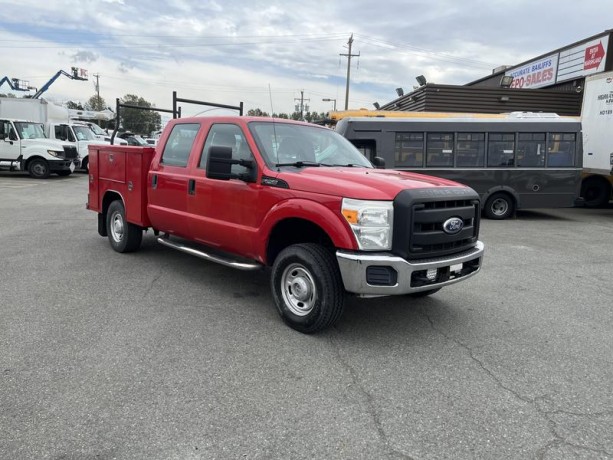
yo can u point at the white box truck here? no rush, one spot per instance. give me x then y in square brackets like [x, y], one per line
[597, 126]
[56, 121]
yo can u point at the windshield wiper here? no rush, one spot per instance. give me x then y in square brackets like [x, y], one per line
[347, 165]
[299, 164]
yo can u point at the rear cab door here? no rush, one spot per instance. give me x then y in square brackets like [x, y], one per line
[168, 181]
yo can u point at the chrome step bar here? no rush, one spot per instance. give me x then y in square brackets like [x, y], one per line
[228, 262]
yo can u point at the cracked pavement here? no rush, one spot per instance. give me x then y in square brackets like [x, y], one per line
[160, 355]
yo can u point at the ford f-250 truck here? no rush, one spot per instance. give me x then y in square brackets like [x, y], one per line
[297, 198]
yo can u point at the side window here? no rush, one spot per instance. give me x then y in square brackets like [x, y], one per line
[60, 132]
[439, 149]
[531, 149]
[179, 144]
[501, 149]
[409, 149]
[561, 150]
[470, 150]
[227, 135]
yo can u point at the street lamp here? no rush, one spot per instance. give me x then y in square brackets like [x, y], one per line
[327, 99]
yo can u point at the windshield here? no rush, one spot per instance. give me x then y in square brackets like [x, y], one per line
[97, 129]
[136, 140]
[83, 133]
[28, 130]
[285, 144]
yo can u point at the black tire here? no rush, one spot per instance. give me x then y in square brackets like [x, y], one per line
[419, 294]
[85, 164]
[307, 287]
[596, 192]
[499, 206]
[64, 173]
[123, 236]
[39, 168]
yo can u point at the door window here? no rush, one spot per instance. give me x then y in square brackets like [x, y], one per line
[179, 144]
[227, 135]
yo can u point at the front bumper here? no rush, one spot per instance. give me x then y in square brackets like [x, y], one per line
[380, 274]
[62, 165]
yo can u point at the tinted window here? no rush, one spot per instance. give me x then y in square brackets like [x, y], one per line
[439, 149]
[409, 149]
[470, 149]
[501, 150]
[531, 149]
[561, 149]
[179, 144]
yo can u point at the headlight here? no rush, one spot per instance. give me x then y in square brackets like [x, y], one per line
[54, 153]
[371, 222]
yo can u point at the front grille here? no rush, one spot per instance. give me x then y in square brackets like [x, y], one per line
[70, 153]
[419, 219]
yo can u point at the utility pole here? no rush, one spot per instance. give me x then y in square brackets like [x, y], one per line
[301, 106]
[349, 56]
[97, 86]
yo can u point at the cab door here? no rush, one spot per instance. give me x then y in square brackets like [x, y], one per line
[10, 146]
[168, 181]
[225, 213]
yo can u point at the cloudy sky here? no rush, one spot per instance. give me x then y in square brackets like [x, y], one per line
[265, 52]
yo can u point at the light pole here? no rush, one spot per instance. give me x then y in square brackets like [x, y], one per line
[327, 99]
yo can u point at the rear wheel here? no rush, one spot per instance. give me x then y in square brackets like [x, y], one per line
[499, 206]
[85, 164]
[596, 192]
[39, 168]
[123, 236]
[307, 287]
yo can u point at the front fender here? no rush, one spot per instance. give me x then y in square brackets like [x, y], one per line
[299, 208]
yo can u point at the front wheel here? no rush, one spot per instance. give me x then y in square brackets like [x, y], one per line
[307, 287]
[123, 236]
[499, 206]
[85, 164]
[39, 168]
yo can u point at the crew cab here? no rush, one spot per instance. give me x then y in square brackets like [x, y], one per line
[298, 199]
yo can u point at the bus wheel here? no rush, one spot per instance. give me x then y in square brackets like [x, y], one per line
[595, 192]
[499, 206]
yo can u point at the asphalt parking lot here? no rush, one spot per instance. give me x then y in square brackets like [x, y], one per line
[160, 355]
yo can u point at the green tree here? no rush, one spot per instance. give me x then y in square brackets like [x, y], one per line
[257, 113]
[74, 105]
[139, 121]
[95, 103]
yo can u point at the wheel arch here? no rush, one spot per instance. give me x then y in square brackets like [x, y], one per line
[501, 189]
[291, 231]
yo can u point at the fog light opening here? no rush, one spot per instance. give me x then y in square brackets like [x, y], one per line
[431, 274]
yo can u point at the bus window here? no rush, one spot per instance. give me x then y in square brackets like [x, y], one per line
[501, 149]
[409, 149]
[531, 149]
[470, 149]
[561, 151]
[366, 147]
[439, 149]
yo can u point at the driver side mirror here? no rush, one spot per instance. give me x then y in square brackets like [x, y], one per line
[219, 165]
[378, 162]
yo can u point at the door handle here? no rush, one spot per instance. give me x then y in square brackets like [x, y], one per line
[154, 182]
[191, 187]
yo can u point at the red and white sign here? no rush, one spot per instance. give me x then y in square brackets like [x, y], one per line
[583, 60]
[535, 74]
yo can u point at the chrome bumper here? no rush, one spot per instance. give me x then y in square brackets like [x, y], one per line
[411, 275]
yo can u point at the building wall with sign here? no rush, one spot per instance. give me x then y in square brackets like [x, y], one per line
[559, 70]
[552, 82]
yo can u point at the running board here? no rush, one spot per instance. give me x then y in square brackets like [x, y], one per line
[228, 262]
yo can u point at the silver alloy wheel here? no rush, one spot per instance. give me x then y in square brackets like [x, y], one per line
[298, 289]
[499, 207]
[117, 226]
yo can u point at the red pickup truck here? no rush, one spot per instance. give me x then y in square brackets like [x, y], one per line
[253, 193]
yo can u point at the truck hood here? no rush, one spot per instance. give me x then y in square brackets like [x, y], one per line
[50, 144]
[359, 183]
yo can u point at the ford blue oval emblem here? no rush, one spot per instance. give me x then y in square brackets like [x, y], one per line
[453, 225]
